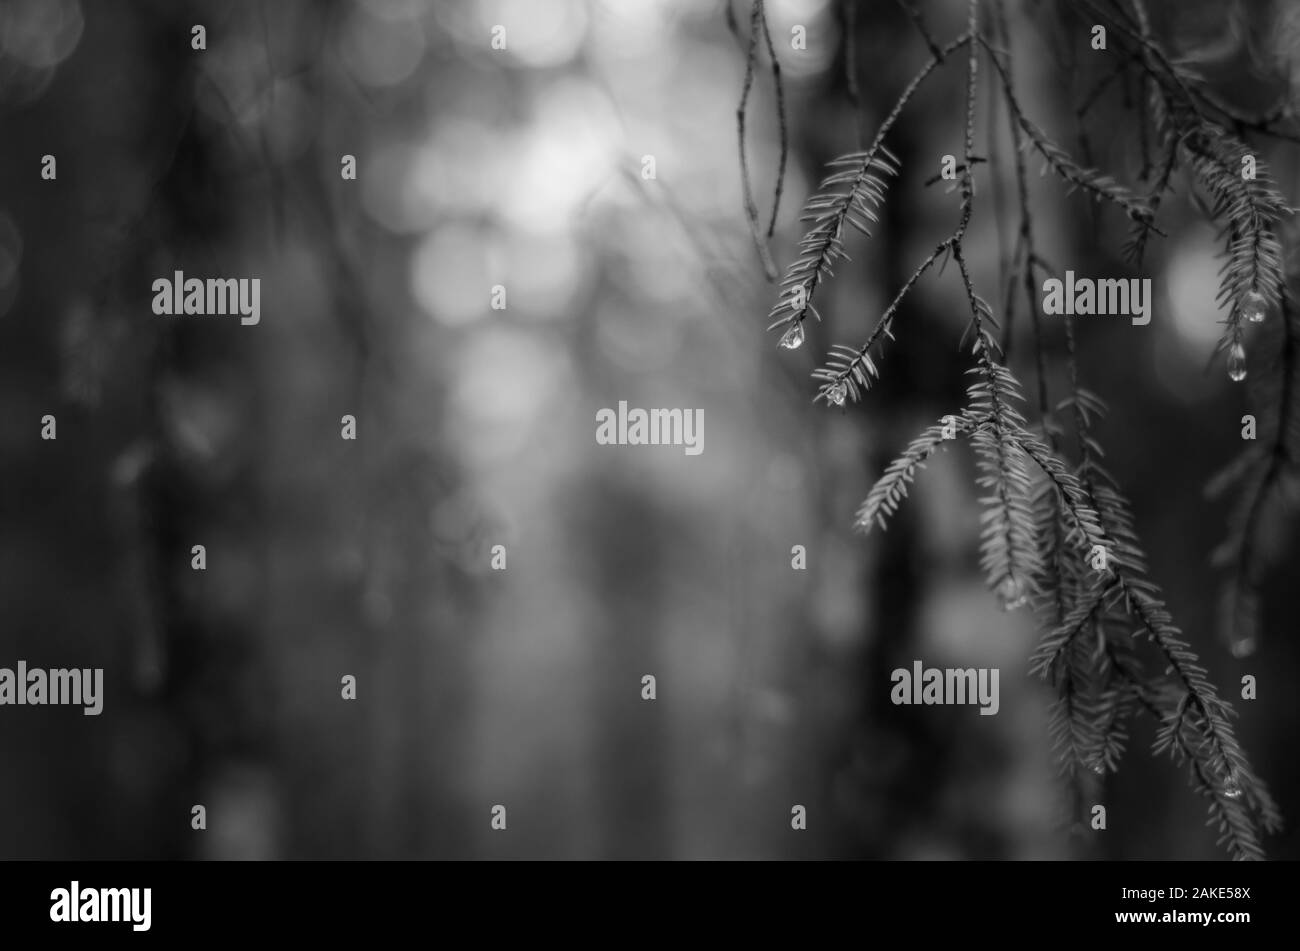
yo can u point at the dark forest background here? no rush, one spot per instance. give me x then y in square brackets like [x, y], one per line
[522, 167]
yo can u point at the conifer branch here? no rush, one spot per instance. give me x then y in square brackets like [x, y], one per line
[1136, 243]
[1269, 477]
[854, 368]
[1195, 728]
[847, 197]
[919, 22]
[1248, 211]
[1059, 586]
[891, 488]
[1047, 658]
[1068, 538]
[1089, 180]
[1084, 530]
[1186, 84]
[1026, 233]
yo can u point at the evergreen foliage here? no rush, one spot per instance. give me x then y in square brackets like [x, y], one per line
[1056, 530]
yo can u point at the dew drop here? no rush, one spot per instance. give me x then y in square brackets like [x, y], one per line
[837, 393]
[1254, 307]
[1236, 363]
[1232, 790]
[792, 339]
[1097, 766]
[1012, 595]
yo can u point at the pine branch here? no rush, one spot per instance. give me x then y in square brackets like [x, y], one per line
[1072, 726]
[1269, 477]
[1234, 795]
[1009, 553]
[919, 22]
[1048, 657]
[1194, 725]
[1183, 83]
[1058, 588]
[1091, 181]
[1136, 243]
[1026, 233]
[891, 488]
[1248, 211]
[1084, 526]
[848, 197]
[1066, 536]
[849, 371]
[1088, 724]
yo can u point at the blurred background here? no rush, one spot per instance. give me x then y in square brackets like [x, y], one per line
[522, 167]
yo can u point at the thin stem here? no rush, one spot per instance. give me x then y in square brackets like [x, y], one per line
[919, 22]
[780, 119]
[967, 174]
[820, 254]
[751, 209]
[1026, 217]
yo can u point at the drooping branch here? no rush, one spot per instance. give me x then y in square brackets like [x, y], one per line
[1065, 539]
[847, 198]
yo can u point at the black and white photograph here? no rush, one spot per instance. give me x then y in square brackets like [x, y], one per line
[718, 432]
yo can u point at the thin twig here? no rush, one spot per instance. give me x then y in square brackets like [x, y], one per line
[919, 21]
[780, 119]
[751, 209]
[819, 254]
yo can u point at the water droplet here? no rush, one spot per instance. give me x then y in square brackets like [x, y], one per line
[1236, 363]
[1012, 595]
[1232, 790]
[792, 339]
[1242, 646]
[1097, 766]
[1254, 307]
[837, 392]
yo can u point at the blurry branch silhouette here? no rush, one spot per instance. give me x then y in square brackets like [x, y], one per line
[919, 22]
[1024, 257]
[757, 25]
[1181, 80]
[1056, 534]
[1267, 475]
[1247, 210]
[849, 23]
